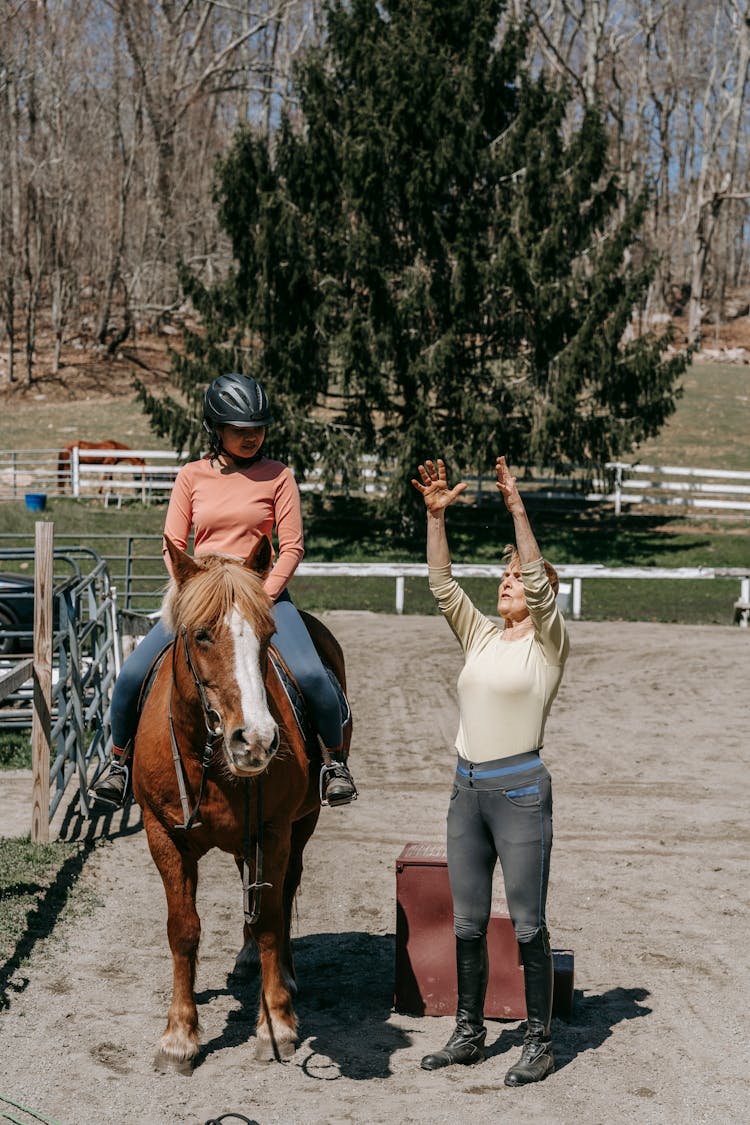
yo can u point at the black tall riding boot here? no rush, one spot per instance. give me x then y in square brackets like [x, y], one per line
[466, 1044]
[537, 1060]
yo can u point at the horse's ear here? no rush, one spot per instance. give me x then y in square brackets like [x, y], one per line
[259, 559]
[183, 567]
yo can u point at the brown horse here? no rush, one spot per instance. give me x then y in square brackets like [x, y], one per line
[256, 798]
[95, 455]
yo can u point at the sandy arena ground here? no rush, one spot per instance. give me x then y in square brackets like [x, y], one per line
[648, 746]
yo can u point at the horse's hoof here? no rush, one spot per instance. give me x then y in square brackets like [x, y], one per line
[166, 1064]
[274, 1050]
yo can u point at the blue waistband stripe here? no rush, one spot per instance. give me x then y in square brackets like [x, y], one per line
[532, 762]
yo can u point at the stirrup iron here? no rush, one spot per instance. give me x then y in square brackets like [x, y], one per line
[328, 772]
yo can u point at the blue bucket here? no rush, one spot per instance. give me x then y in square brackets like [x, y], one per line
[36, 501]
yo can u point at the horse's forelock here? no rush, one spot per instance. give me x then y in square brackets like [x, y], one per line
[210, 595]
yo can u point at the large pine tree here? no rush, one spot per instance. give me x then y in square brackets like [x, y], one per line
[431, 259]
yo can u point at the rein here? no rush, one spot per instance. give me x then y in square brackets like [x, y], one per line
[214, 731]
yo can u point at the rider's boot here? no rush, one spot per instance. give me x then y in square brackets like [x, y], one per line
[466, 1044]
[537, 1060]
[113, 787]
[336, 782]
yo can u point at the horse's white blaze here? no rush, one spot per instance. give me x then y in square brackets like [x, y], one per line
[257, 719]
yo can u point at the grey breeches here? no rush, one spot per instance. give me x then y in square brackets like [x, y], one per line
[500, 810]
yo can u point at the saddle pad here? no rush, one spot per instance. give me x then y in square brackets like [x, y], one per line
[148, 681]
[297, 702]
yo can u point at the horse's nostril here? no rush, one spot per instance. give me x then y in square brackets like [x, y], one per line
[238, 735]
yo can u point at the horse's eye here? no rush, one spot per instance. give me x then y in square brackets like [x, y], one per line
[203, 637]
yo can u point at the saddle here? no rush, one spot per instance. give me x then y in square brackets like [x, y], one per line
[291, 689]
[289, 686]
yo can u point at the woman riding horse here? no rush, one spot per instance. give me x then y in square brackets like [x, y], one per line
[229, 498]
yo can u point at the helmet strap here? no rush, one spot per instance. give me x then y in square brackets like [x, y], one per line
[239, 462]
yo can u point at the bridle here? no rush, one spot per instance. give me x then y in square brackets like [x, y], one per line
[215, 731]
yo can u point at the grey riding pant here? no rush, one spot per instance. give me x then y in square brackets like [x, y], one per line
[500, 810]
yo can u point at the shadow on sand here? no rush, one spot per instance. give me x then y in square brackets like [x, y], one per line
[590, 1025]
[344, 1004]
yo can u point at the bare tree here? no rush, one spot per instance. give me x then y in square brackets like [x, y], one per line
[722, 104]
[114, 112]
[112, 116]
[673, 77]
[10, 197]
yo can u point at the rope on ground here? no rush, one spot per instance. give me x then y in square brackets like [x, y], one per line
[233, 1117]
[24, 1109]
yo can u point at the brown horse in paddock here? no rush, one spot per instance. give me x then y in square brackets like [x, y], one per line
[216, 703]
[95, 455]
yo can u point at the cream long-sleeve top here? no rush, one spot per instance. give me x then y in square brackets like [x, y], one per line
[229, 511]
[505, 688]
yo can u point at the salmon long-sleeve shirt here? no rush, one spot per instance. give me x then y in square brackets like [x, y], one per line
[505, 688]
[229, 511]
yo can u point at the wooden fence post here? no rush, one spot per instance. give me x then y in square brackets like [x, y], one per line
[41, 721]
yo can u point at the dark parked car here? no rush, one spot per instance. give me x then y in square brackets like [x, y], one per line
[16, 613]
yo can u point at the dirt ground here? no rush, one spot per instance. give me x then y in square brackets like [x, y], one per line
[647, 744]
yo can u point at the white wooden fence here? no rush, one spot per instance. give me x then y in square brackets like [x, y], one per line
[80, 474]
[41, 471]
[714, 489]
[571, 578]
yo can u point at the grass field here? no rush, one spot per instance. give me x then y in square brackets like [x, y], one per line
[44, 424]
[711, 425]
[36, 881]
[708, 430]
[351, 530]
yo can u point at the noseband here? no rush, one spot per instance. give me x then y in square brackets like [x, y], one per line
[215, 731]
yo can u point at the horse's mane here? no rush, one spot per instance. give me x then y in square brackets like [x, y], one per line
[210, 595]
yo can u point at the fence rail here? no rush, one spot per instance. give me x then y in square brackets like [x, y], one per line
[81, 475]
[706, 489]
[571, 586]
[139, 579]
[106, 473]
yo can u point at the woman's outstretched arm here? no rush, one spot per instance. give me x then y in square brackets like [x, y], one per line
[526, 544]
[437, 496]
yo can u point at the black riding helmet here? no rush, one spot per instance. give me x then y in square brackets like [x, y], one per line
[235, 400]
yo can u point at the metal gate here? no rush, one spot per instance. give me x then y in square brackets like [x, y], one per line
[86, 657]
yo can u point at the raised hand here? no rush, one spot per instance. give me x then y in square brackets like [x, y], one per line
[436, 493]
[506, 484]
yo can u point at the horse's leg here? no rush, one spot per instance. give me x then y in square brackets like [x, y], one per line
[179, 1043]
[277, 1022]
[302, 830]
[247, 962]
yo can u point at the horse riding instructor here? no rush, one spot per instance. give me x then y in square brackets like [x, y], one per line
[230, 497]
[501, 804]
